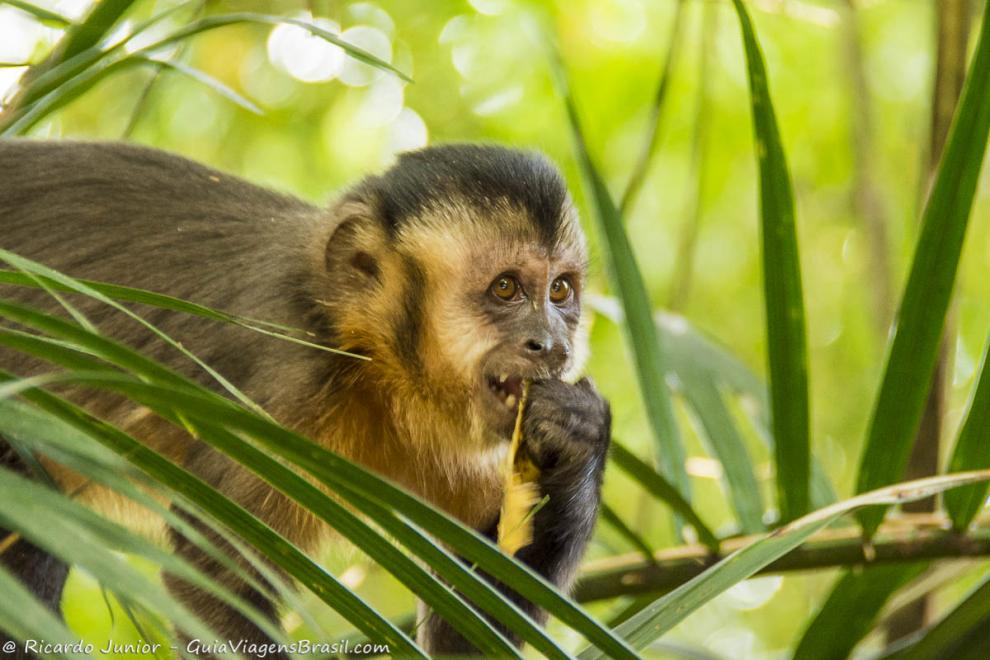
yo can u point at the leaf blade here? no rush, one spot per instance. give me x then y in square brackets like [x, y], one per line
[783, 297]
[625, 277]
[655, 484]
[970, 452]
[659, 617]
[851, 609]
[913, 350]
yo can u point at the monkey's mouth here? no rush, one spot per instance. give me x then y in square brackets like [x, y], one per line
[506, 388]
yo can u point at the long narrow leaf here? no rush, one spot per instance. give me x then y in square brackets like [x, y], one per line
[434, 593]
[653, 119]
[72, 76]
[203, 79]
[611, 517]
[655, 620]
[162, 301]
[727, 444]
[656, 485]
[45, 526]
[650, 363]
[44, 434]
[914, 347]
[25, 618]
[47, 518]
[213, 22]
[35, 268]
[337, 473]
[53, 83]
[230, 514]
[47, 17]
[357, 485]
[970, 452]
[786, 343]
[447, 604]
[691, 355]
[281, 552]
[91, 30]
[851, 610]
[959, 633]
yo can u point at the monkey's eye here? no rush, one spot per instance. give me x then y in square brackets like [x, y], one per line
[505, 288]
[560, 290]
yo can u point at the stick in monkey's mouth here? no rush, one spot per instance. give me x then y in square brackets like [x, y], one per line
[515, 524]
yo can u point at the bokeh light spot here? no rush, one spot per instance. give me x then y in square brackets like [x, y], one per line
[303, 55]
[372, 40]
[382, 102]
[408, 132]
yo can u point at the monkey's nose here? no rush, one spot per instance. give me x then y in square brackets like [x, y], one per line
[545, 349]
[539, 346]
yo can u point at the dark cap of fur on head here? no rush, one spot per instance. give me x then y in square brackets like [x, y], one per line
[481, 175]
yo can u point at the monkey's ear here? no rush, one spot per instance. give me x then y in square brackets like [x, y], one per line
[354, 251]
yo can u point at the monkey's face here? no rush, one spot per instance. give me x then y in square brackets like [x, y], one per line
[502, 305]
[533, 305]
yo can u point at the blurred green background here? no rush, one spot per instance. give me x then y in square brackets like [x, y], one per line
[480, 71]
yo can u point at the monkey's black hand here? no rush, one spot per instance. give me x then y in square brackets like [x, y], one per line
[566, 427]
[566, 431]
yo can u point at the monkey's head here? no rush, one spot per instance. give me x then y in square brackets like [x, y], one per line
[459, 271]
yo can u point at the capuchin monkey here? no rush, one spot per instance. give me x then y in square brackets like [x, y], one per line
[458, 272]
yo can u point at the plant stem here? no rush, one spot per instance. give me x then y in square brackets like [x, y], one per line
[656, 114]
[687, 242]
[911, 538]
[867, 202]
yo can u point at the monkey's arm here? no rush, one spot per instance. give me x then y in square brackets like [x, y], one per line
[567, 432]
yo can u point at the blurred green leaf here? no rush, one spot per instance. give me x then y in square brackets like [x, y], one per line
[614, 520]
[914, 348]
[47, 519]
[45, 16]
[851, 610]
[93, 29]
[213, 22]
[144, 297]
[24, 617]
[69, 75]
[205, 79]
[695, 357]
[743, 492]
[624, 274]
[260, 536]
[700, 368]
[37, 269]
[964, 632]
[657, 619]
[652, 137]
[786, 344]
[54, 78]
[655, 484]
[970, 452]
